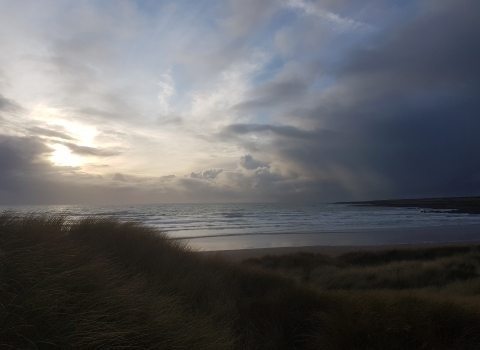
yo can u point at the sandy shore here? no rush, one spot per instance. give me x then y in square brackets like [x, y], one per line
[241, 254]
[336, 243]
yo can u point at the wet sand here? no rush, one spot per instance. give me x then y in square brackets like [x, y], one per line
[241, 254]
[337, 243]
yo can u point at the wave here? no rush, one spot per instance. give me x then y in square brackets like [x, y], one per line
[213, 220]
[233, 215]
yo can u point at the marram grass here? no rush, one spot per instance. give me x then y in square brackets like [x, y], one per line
[103, 284]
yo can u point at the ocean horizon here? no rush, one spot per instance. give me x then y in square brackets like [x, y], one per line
[258, 225]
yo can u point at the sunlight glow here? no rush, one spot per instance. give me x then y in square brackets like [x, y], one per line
[83, 134]
[63, 156]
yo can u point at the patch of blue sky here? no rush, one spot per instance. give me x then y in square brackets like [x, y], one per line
[323, 83]
[148, 6]
[265, 37]
[266, 40]
[383, 14]
[173, 16]
[265, 34]
[264, 116]
[282, 18]
[152, 7]
[269, 71]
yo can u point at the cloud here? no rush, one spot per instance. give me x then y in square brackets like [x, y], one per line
[119, 177]
[27, 177]
[246, 15]
[397, 120]
[20, 152]
[170, 120]
[253, 180]
[50, 133]
[294, 100]
[90, 151]
[249, 163]
[206, 174]
[167, 91]
[274, 93]
[400, 113]
[280, 130]
[314, 9]
[8, 105]
[22, 167]
[213, 104]
[426, 54]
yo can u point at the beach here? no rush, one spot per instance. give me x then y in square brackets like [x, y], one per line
[337, 243]
[333, 251]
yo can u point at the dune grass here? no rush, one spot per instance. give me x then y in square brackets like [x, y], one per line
[100, 283]
[389, 269]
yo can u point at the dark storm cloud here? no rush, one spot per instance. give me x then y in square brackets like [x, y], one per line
[439, 50]
[18, 153]
[19, 163]
[90, 151]
[405, 112]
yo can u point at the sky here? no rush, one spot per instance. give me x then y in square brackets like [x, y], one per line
[143, 102]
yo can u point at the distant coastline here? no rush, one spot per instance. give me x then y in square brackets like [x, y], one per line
[466, 205]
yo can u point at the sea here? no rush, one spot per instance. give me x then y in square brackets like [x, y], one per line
[261, 225]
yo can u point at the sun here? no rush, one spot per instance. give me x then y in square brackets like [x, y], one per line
[63, 156]
[80, 134]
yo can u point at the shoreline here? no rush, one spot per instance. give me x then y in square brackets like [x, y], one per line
[333, 251]
[336, 243]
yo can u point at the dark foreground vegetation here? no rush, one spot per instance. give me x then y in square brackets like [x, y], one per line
[102, 284]
[467, 205]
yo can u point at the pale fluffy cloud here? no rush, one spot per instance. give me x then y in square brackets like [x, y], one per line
[315, 9]
[167, 91]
